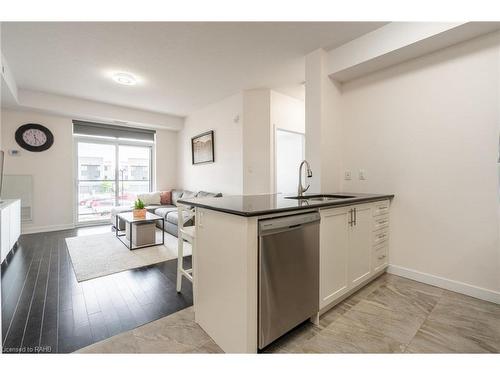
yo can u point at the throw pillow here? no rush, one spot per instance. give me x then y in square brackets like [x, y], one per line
[150, 198]
[166, 198]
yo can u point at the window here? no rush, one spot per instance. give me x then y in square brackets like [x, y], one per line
[139, 172]
[90, 171]
[110, 174]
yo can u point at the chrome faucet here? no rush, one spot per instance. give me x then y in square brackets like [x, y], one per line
[301, 189]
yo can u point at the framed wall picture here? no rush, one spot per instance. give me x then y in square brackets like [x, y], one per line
[202, 148]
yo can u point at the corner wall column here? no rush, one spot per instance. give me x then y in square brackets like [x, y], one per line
[323, 124]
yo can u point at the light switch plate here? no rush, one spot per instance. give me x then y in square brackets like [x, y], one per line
[347, 175]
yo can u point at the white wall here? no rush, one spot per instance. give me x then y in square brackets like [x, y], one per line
[323, 124]
[225, 175]
[258, 143]
[427, 131]
[244, 150]
[166, 160]
[52, 170]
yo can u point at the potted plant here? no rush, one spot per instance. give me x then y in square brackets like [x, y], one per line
[139, 210]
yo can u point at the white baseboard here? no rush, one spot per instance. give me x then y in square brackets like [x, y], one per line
[441, 282]
[46, 228]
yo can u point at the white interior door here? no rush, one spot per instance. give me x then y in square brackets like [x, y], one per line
[289, 155]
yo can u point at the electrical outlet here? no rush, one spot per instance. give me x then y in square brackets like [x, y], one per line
[347, 175]
[362, 174]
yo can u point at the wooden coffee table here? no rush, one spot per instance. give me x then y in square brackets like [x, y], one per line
[129, 219]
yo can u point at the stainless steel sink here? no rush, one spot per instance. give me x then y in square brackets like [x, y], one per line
[322, 197]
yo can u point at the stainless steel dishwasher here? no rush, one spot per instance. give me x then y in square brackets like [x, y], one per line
[288, 273]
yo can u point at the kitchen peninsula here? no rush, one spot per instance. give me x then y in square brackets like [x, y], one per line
[327, 245]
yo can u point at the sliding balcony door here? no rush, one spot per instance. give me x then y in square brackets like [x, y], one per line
[110, 173]
[134, 169]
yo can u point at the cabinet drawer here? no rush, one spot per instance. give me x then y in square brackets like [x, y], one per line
[380, 236]
[381, 208]
[380, 222]
[380, 255]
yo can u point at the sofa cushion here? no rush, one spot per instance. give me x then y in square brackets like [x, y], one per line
[176, 194]
[173, 218]
[204, 194]
[188, 194]
[163, 211]
[166, 197]
[152, 208]
[150, 198]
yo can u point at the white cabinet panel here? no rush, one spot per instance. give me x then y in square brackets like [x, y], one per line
[360, 246]
[380, 257]
[15, 222]
[353, 248]
[334, 245]
[10, 226]
[4, 232]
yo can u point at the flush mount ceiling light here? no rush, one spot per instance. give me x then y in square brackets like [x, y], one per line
[124, 79]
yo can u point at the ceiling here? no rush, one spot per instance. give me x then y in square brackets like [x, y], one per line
[181, 66]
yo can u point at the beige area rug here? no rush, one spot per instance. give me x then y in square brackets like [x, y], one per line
[103, 254]
[176, 333]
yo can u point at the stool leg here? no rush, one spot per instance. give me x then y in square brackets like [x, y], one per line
[180, 261]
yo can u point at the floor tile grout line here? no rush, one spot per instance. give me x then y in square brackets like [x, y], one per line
[17, 303]
[425, 320]
[31, 299]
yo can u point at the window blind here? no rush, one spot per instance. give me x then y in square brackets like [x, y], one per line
[114, 131]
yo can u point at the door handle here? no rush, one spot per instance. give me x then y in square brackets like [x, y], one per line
[350, 217]
[355, 217]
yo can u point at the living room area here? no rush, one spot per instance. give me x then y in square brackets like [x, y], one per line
[98, 181]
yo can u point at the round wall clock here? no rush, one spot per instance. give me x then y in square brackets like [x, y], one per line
[34, 137]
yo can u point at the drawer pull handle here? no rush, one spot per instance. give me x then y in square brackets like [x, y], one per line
[382, 222]
[381, 257]
[381, 235]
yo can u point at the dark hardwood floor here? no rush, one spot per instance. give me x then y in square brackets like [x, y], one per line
[45, 309]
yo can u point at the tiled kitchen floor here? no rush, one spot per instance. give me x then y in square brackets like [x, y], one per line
[390, 315]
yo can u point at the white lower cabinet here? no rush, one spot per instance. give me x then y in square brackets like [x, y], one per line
[360, 240]
[10, 225]
[353, 247]
[333, 256]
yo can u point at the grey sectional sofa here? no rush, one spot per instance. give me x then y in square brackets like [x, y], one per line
[168, 212]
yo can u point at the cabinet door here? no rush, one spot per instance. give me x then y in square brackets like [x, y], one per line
[4, 232]
[15, 222]
[334, 245]
[360, 246]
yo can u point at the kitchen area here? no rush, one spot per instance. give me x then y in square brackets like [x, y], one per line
[264, 264]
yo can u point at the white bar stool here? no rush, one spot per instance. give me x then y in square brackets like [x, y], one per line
[184, 214]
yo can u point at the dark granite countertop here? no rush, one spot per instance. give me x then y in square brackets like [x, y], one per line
[256, 205]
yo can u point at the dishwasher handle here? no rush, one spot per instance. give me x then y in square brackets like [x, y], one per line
[285, 223]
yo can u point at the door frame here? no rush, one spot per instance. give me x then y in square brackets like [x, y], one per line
[116, 143]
